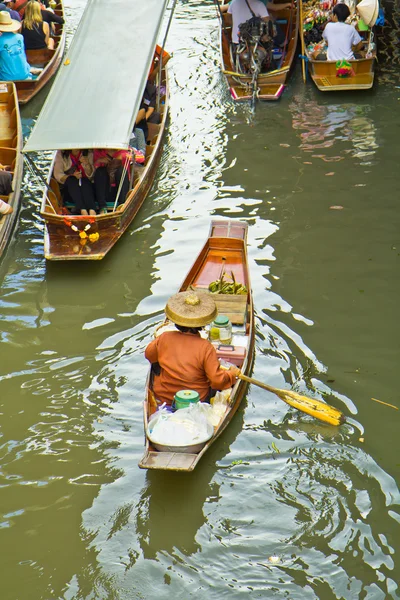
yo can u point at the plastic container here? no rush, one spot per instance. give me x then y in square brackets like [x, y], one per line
[233, 354]
[184, 398]
[221, 330]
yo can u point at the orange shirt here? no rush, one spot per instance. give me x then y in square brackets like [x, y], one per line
[188, 362]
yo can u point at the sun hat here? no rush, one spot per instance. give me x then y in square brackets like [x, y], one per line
[191, 309]
[7, 23]
[368, 11]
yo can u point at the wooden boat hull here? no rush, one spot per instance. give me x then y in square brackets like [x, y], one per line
[10, 155]
[226, 246]
[272, 84]
[63, 242]
[47, 59]
[323, 73]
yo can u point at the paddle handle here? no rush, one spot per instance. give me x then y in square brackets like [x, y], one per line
[260, 384]
[301, 31]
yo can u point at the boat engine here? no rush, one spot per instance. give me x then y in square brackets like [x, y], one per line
[254, 52]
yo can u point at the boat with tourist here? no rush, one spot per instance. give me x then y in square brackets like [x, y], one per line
[223, 258]
[259, 67]
[93, 107]
[11, 161]
[46, 61]
[339, 73]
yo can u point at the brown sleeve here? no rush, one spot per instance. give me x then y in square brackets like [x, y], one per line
[151, 352]
[219, 378]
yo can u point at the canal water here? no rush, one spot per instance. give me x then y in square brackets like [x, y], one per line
[282, 506]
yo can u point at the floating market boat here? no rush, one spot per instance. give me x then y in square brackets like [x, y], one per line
[93, 104]
[224, 252]
[45, 59]
[334, 76]
[10, 155]
[267, 85]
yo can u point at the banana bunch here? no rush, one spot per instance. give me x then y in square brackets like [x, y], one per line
[222, 286]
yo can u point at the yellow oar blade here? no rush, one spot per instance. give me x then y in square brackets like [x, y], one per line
[313, 407]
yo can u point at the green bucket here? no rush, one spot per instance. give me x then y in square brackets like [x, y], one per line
[185, 398]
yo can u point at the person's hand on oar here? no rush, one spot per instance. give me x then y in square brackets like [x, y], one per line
[315, 408]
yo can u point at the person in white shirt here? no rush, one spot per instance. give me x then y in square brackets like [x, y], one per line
[240, 13]
[341, 38]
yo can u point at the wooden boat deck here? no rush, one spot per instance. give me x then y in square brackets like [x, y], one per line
[63, 243]
[271, 84]
[226, 245]
[10, 155]
[47, 60]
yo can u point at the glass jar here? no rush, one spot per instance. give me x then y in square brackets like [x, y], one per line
[221, 330]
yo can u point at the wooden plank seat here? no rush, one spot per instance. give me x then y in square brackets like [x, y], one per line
[39, 58]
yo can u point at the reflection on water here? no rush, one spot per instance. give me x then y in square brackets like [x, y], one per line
[78, 518]
[333, 126]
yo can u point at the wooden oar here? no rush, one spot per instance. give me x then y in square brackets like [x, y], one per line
[301, 30]
[312, 407]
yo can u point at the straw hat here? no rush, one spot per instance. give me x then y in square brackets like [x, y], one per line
[191, 309]
[7, 23]
[368, 11]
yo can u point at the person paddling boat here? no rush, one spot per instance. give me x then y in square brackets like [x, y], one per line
[185, 359]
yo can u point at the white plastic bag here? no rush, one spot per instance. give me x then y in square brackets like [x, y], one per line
[184, 427]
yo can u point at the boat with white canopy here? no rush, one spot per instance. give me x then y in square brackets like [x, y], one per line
[93, 105]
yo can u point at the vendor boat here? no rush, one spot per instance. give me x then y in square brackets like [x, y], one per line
[45, 60]
[334, 76]
[101, 116]
[10, 155]
[224, 252]
[267, 85]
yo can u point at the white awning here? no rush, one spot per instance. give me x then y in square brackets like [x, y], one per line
[97, 93]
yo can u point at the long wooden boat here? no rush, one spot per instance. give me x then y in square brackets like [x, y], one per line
[47, 60]
[272, 83]
[62, 240]
[10, 155]
[225, 250]
[324, 73]
[100, 113]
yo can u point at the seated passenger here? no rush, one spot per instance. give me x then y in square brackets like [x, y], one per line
[13, 13]
[340, 37]
[48, 15]
[185, 360]
[111, 176]
[5, 208]
[35, 31]
[74, 170]
[147, 113]
[240, 13]
[13, 63]
[5, 181]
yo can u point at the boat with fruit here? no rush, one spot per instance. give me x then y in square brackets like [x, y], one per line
[224, 252]
[345, 75]
[251, 79]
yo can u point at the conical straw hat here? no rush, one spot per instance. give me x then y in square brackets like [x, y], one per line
[368, 11]
[191, 309]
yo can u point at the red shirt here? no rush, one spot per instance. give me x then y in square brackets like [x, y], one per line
[188, 362]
